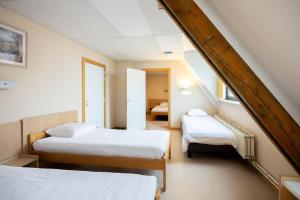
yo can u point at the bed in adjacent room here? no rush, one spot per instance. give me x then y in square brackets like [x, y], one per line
[202, 132]
[67, 141]
[160, 110]
[49, 184]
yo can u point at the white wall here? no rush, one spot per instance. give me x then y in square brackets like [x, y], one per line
[267, 155]
[204, 72]
[51, 82]
[266, 35]
[120, 94]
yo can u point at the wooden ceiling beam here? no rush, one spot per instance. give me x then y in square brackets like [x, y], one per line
[264, 108]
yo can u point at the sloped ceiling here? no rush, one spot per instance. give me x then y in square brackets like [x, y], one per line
[267, 35]
[122, 30]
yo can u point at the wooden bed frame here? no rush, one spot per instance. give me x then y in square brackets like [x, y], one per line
[101, 161]
[155, 102]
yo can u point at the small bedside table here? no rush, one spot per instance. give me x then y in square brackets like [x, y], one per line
[289, 188]
[23, 160]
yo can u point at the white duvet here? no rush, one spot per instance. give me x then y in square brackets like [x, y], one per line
[18, 183]
[160, 108]
[205, 130]
[109, 142]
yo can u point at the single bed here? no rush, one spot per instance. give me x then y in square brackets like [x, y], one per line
[160, 110]
[206, 133]
[53, 184]
[101, 147]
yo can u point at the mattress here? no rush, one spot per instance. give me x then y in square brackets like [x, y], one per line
[206, 130]
[160, 109]
[51, 184]
[109, 142]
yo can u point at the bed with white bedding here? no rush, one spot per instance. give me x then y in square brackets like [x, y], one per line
[150, 144]
[78, 143]
[205, 130]
[51, 184]
[160, 110]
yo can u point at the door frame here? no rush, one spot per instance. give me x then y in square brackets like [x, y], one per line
[168, 70]
[84, 61]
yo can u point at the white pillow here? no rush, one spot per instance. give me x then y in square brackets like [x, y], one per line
[197, 113]
[70, 130]
[164, 104]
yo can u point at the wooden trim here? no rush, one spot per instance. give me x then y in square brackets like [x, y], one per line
[86, 60]
[265, 109]
[103, 161]
[10, 140]
[168, 70]
[157, 195]
[41, 123]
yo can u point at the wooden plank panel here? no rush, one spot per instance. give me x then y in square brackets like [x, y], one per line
[232, 69]
[41, 123]
[10, 140]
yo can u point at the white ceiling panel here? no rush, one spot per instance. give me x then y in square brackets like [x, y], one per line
[158, 20]
[119, 57]
[133, 45]
[99, 46]
[170, 43]
[125, 16]
[187, 45]
[122, 30]
[76, 19]
[174, 56]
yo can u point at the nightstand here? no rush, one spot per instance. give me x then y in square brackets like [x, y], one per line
[289, 188]
[23, 160]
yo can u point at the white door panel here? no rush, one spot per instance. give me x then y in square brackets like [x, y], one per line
[136, 99]
[94, 94]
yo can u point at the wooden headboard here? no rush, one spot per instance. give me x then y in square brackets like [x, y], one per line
[41, 123]
[151, 103]
[10, 140]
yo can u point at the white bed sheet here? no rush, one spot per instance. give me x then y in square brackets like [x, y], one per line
[160, 108]
[205, 130]
[18, 183]
[110, 142]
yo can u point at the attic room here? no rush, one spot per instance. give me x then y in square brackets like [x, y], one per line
[168, 99]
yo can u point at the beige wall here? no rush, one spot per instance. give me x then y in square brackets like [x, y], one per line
[267, 155]
[157, 86]
[51, 82]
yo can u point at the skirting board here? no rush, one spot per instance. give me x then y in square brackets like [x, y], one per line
[265, 173]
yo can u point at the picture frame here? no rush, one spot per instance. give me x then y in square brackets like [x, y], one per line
[12, 46]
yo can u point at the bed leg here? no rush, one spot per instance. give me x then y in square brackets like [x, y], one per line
[164, 187]
[157, 195]
[189, 153]
[170, 151]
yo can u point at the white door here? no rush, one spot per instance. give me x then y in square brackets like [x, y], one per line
[94, 94]
[136, 99]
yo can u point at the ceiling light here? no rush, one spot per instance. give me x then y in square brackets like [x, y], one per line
[168, 52]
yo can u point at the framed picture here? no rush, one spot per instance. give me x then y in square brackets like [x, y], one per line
[12, 46]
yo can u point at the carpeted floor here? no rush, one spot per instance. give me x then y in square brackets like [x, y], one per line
[203, 177]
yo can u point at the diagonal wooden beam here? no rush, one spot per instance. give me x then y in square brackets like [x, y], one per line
[232, 69]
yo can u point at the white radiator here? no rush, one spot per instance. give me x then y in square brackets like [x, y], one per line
[245, 139]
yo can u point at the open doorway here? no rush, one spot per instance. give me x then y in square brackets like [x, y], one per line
[158, 98]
